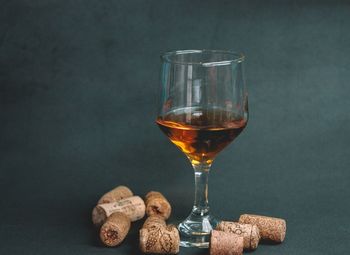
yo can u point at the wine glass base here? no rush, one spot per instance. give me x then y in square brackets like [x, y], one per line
[195, 231]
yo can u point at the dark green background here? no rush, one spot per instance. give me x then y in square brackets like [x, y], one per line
[78, 86]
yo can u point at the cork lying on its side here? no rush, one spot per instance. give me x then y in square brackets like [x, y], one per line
[250, 233]
[133, 207]
[115, 195]
[270, 228]
[115, 229]
[157, 204]
[224, 243]
[161, 240]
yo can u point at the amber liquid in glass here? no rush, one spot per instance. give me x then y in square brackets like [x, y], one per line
[201, 133]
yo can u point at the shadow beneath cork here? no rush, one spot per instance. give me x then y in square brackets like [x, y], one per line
[196, 251]
[131, 242]
[268, 242]
[249, 251]
[94, 239]
[93, 231]
[263, 243]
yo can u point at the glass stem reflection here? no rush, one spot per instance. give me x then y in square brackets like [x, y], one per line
[201, 205]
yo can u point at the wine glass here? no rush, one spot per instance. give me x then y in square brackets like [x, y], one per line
[203, 107]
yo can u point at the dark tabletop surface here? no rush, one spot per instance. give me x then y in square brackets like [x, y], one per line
[78, 86]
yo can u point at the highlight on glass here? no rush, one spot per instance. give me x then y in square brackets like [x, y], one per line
[203, 107]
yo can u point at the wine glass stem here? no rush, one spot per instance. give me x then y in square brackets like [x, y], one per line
[201, 174]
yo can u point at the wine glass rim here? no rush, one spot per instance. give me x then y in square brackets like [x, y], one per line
[236, 57]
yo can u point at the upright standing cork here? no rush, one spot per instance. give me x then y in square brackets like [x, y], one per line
[157, 204]
[163, 240]
[250, 233]
[270, 228]
[224, 243]
[115, 229]
[154, 221]
[133, 207]
[115, 195]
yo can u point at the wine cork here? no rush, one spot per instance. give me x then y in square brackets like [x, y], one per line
[163, 240]
[250, 233]
[157, 204]
[133, 207]
[270, 228]
[224, 243]
[115, 229]
[115, 195]
[154, 221]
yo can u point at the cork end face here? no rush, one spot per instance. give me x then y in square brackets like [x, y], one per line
[115, 229]
[222, 243]
[158, 208]
[98, 216]
[110, 237]
[157, 204]
[249, 232]
[139, 209]
[155, 210]
[283, 230]
[254, 238]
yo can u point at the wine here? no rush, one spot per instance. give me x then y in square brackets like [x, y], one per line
[201, 133]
